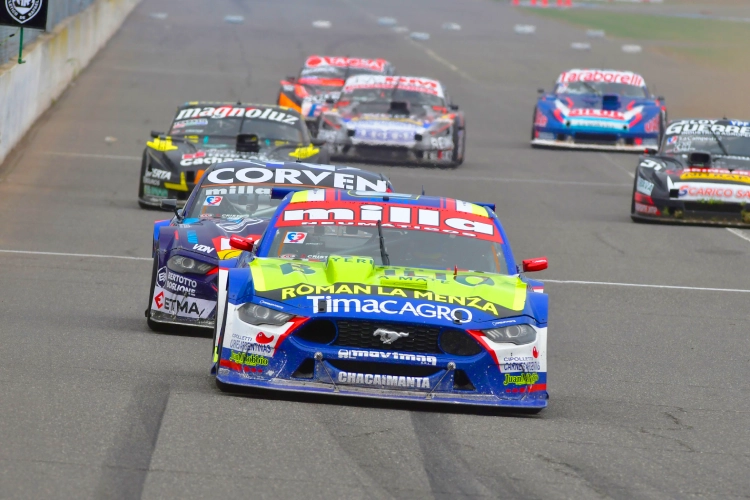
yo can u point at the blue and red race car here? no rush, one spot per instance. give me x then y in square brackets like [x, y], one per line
[599, 109]
[231, 199]
[384, 295]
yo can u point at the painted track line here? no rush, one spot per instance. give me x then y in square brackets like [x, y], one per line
[641, 285]
[738, 233]
[62, 254]
[619, 167]
[90, 155]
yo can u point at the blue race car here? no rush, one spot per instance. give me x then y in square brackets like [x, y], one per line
[599, 109]
[231, 199]
[391, 296]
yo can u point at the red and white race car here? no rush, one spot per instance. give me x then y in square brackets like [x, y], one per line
[321, 79]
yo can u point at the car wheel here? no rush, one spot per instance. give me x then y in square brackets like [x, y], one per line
[153, 325]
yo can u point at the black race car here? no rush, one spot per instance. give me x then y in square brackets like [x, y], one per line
[700, 174]
[205, 133]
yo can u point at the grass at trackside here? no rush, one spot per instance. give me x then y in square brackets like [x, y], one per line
[708, 41]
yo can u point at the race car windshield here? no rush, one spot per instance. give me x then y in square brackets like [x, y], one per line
[407, 248]
[387, 95]
[683, 144]
[600, 88]
[225, 202]
[336, 72]
[230, 127]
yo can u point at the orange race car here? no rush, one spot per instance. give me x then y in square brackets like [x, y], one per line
[320, 81]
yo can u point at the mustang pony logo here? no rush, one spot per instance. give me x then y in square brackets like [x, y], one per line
[389, 336]
[23, 10]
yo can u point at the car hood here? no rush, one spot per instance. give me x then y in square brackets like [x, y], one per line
[355, 286]
[188, 155]
[210, 237]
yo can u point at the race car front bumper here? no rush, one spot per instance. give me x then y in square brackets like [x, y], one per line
[282, 358]
[390, 154]
[594, 140]
[692, 212]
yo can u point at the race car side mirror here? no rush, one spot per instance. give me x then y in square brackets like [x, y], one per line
[240, 243]
[534, 265]
[171, 204]
[155, 134]
[454, 107]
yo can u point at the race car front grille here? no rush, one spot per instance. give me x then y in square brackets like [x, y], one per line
[725, 208]
[589, 138]
[382, 152]
[383, 368]
[420, 338]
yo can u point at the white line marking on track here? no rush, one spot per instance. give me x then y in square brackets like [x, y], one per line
[431, 53]
[63, 254]
[90, 155]
[619, 167]
[738, 233]
[641, 285]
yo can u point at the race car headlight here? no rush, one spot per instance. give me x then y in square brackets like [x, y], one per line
[441, 127]
[514, 334]
[181, 264]
[259, 315]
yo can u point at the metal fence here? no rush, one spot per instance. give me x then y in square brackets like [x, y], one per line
[58, 10]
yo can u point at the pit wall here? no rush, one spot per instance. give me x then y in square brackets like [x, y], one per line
[52, 62]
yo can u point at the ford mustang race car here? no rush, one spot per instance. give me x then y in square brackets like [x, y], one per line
[231, 199]
[204, 133]
[395, 119]
[321, 79]
[384, 296]
[701, 174]
[598, 109]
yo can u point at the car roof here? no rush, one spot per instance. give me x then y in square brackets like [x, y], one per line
[235, 104]
[602, 75]
[364, 197]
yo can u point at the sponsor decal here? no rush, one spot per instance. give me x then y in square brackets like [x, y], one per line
[540, 120]
[588, 75]
[535, 352]
[262, 338]
[517, 359]
[155, 191]
[646, 209]
[701, 191]
[180, 305]
[295, 237]
[521, 379]
[243, 358]
[203, 248]
[644, 186]
[156, 173]
[383, 380]
[380, 135]
[235, 112]
[406, 83]
[705, 127]
[596, 113]
[653, 125]
[239, 225]
[247, 344]
[345, 62]
[598, 124]
[212, 201]
[148, 181]
[715, 175]
[391, 307]
[398, 356]
[223, 250]
[175, 283]
[192, 237]
[303, 289]
[531, 366]
[391, 215]
[302, 177]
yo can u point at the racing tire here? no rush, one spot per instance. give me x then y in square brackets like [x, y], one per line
[153, 325]
[458, 148]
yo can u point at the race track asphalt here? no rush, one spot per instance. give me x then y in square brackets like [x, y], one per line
[647, 384]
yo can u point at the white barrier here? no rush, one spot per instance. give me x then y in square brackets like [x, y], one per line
[52, 62]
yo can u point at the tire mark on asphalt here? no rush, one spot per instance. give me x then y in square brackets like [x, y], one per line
[127, 465]
[449, 474]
